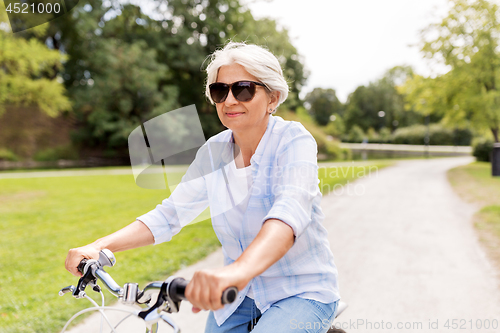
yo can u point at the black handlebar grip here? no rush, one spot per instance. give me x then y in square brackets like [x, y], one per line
[229, 295]
[178, 289]
[81, 265]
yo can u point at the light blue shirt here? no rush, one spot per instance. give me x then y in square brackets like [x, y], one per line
[285, 187]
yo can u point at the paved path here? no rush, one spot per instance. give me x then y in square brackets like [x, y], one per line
[406, 251]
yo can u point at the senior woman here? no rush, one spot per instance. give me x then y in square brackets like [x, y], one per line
[275, 248]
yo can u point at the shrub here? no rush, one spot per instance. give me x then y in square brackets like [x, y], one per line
[326, 145]
[373, 136]
[482, 148]
[355, 134]
[415, 135]
[7, 155]
[57, 153]
[335, 128]
[385, 135]
[462, 136]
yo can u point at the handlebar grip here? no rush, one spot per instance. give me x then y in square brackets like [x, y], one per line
[81, 265]
[229, 295]
[178, 289]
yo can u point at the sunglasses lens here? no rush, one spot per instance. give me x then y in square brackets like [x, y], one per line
[243, 91]
[218, 92]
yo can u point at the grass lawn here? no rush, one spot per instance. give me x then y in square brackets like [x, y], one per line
[41, 218]
[475, 184]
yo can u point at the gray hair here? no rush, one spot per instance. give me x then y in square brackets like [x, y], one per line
[256, 60]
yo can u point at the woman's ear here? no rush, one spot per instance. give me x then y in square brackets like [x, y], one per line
[275, 97]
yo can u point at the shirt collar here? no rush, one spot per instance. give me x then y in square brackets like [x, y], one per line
[257, 156]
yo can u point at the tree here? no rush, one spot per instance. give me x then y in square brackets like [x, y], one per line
[121, 92]
[182, 33]
[27, 75]
[365, 103]
[468, 43]
[323, 103]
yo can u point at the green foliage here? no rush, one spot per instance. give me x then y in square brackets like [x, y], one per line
[57, 153]
[336, 127]
[385, 135]
[8, 155]
[482, 149]
[466, 41]
[462, 136]
[414, 135]
[121, 92]
[327, 146]
[355, 134]
[28, 74]
[364, 104]
[142, 66]
[323, 103]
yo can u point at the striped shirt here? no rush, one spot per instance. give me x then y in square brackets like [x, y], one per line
[285, 187]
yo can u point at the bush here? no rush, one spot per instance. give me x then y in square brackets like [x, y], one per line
[58, 153]
[335, 128]
[482, 148]
[415, 135]
[462, 136]
[373, 136]
[385, 135]
[355, 134]
[326, 144]
[7, 155]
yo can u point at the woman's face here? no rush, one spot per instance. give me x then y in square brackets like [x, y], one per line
[242, 116]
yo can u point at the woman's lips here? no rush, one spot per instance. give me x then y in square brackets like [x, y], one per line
[234, 114]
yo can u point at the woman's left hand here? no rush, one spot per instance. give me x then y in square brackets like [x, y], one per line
[205, 289]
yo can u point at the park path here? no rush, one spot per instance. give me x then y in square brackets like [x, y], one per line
[406, 251]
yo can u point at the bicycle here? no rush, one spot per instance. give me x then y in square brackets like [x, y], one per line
[169, 294]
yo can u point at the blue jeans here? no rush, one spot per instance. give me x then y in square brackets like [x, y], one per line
[292, 314]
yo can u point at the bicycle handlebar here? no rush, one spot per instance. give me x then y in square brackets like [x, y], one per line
[173, 288]
[170, 292]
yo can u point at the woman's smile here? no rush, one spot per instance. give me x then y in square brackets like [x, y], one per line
[234, 114]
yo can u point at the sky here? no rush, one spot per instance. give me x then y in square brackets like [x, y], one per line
[347, 43]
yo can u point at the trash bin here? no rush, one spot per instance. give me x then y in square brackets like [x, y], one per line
[495, 159]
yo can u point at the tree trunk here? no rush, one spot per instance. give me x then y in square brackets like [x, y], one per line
[495, 133]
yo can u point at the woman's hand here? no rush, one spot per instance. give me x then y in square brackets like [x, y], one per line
[74, 257]
[204, 291]
[134, 235]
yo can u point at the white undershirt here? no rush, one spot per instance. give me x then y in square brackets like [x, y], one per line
[240, 182]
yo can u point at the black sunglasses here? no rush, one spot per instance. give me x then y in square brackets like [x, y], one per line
[243, 91]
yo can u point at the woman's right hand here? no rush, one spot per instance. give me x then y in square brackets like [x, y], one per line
[76, 255]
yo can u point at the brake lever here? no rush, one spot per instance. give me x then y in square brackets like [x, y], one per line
[170, 322]
[88, 268]
[87, 278]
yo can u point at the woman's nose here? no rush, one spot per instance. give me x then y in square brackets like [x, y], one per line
[230, 100]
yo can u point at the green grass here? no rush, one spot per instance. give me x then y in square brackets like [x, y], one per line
[490, 220]
[474, 183]
[41, 218]
[333, 177]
